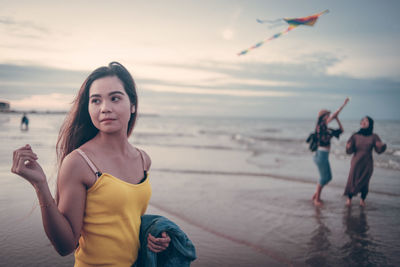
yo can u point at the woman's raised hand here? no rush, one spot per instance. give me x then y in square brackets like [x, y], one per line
[26, 166]
[336, 114]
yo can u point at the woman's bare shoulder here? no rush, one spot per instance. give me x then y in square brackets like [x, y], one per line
[146, 158]
[74, 167]
[73, 160]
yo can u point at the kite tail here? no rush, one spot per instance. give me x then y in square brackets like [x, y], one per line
[291, 27]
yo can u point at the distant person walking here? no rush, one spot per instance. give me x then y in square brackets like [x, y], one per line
[361, 145]
[24, 122]
[321, 157]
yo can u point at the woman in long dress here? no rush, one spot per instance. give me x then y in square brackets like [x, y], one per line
[361, 144]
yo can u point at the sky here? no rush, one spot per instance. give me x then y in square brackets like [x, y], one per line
[183, 55]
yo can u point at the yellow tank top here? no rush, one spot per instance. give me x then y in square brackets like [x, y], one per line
[111, 223]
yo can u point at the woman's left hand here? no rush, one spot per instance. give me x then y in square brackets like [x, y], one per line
[158, 244]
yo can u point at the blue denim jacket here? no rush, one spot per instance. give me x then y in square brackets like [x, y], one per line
[180, 253]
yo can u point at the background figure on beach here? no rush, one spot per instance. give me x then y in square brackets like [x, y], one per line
[361, 145]
[24, 122]
[96, 214]
[321, 156]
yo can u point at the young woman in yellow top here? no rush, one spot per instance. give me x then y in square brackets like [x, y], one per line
[102, 184]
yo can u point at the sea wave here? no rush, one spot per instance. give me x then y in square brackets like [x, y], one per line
[310, 180]
[271, 130]
[214, 132]
[396, 153]
[161, 134]
[277, 139]
[215, 147]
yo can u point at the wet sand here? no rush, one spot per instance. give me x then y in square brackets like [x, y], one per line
[242, 221]
[239, 207]
[267, 222]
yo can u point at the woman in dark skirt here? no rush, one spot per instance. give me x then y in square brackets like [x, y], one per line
[362, 165]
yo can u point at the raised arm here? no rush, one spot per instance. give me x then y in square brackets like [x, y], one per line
[336, 113]
[61, 223]
[340, 124]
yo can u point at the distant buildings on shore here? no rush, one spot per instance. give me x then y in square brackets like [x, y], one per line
[4, 106]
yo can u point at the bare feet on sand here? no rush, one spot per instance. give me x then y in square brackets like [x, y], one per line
[362, 203]
[314, 196]
[318, 202]
[348, 202]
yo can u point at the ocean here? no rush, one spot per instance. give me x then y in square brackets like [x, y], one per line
[240, 188]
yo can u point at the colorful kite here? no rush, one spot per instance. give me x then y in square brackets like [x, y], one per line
[293, 23]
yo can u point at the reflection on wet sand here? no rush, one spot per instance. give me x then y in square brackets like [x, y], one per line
[319, 243]
[360, 249]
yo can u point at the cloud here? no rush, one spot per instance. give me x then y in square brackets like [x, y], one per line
[231, 81]
[52, 101]
[218, 87]
[223, 92]
[22, 25]
[229, 32]
[308, 75]
[20, 81]
[371, 67]
[255, 75]
[209, 79]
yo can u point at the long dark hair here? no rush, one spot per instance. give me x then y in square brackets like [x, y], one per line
[78, 128]
[321, 122]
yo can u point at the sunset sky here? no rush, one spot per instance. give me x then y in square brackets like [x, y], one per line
[183, 55]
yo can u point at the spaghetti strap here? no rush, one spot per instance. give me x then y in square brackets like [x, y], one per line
[89, 162]
[143, 159]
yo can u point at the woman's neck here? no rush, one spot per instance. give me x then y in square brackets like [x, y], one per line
[116, 143]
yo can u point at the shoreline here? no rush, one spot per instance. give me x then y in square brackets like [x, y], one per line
[247, 204]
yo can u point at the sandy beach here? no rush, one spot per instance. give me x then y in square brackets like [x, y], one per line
[222, 96]
[241, 203]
